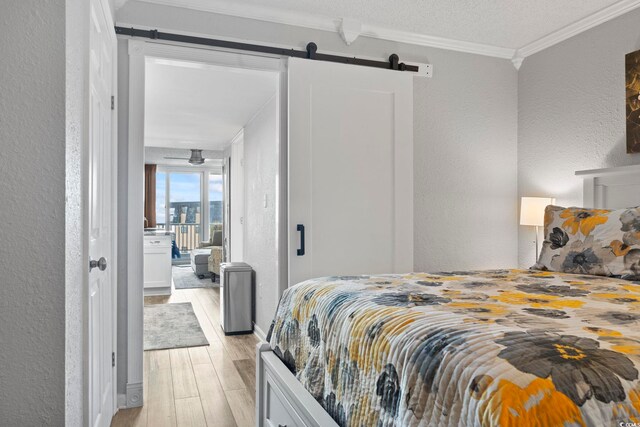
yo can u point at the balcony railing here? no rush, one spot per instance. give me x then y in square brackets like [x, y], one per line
[187, 236]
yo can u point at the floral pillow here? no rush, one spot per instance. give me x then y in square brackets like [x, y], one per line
[591, 241]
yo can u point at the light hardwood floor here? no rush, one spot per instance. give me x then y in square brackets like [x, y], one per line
[198, 386]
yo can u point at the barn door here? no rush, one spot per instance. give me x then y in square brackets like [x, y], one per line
[350, 170]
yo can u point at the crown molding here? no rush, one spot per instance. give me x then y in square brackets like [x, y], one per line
[584, 24]
[324, 23]
[407, 37]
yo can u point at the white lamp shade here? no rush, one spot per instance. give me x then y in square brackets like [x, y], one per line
[532, 210]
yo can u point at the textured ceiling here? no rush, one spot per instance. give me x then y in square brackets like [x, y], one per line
[190, 105]
[504, 23]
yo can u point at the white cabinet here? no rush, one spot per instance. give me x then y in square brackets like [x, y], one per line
[157, 265]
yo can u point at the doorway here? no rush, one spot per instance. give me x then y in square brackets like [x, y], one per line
[188, 221]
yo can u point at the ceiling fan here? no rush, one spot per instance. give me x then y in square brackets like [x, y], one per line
[195, 159]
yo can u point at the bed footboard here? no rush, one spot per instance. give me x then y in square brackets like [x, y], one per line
[281, 401]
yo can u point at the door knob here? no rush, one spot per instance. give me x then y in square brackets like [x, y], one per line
[101, 264]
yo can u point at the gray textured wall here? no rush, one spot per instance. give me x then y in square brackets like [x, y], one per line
[32, 188]
[465, 164]
[261, 169]
[76, 274]
[571, 117]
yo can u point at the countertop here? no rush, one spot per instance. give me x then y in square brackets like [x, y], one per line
[157, 233]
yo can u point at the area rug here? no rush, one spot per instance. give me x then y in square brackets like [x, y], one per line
[172, 326]
[185, 278]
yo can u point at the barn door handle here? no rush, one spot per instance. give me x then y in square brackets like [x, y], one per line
[300, 228]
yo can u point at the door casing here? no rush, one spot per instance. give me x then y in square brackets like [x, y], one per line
[138, 50]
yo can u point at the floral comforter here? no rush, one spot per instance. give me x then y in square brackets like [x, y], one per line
[490, 348]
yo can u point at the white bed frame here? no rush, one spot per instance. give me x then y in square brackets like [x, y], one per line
[282, 401]
[612, 188]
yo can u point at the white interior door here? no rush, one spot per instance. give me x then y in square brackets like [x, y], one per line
[350, 170]
[101, 158]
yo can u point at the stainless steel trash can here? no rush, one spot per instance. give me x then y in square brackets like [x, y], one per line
[236, 298]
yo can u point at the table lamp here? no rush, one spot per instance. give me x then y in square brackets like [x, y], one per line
[532, 213]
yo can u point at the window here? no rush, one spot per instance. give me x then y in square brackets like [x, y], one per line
[181, 198]
[185, 209]
[215, 199]
[161, 199]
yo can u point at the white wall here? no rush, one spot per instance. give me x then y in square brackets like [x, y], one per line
[237, 196]
[572, 115]
[465, 134]
[261, 141]
[32, 188]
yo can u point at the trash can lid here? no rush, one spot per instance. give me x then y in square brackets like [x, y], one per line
[235, 266]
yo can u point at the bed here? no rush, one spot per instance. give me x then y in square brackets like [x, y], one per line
[496, 347]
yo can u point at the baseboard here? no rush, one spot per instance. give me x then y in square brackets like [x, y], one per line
[153, 292]
[134, 395]
[259, 333]
[122, 401]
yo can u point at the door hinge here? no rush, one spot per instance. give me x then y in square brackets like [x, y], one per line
[113, 102]
[113, 359]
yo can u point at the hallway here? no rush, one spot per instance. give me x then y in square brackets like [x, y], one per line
[197, 386]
